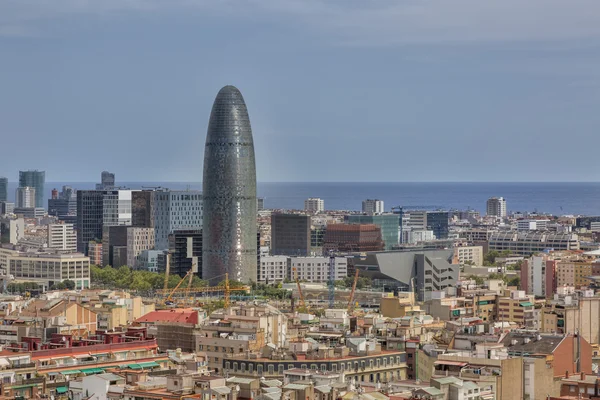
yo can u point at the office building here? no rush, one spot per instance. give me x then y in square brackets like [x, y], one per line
[6, 208]
[314, 205]
[11, 230]
[290, 234]
[419, 271]
[149, 260]
[138, 240]
[496, 207]
[25, 197]
[437, 221]
[316, 269]
[63, 204]
[388, 223]
[229, 190]
[260, 204]
[142, 208]
[532, 225]
[114, 241]
[185, 247]
[107, 180]
[46, 269]
[62, 237]
[29, 212]
[532, 242]
[538, 276]
[175, 210]
[35, 179]
[352, 238]
[273, 269]
[99, 208]
[3, 189]
[373, 206]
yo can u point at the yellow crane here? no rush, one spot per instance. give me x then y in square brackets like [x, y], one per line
[169, 298]
[351, 299]
[226, 289]
[300, 294]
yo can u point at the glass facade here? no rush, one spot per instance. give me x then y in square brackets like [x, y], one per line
[229, 191]
[3, 189]
[34, 179]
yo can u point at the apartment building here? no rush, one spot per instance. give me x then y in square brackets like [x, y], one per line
[538, 276]
[468, 255]
[314, 205]
[518, 308]
[316, 269]
[62, 237]
[138, 240]
[273, 269]
[574, 272]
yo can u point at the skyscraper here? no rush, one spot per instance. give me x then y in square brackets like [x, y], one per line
[35, 179]
[229, 192]
[496, 207]
[25, 197]
[3, 189]
[108, 181]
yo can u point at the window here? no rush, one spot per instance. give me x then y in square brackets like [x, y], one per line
[314, 367]
[227, 365]
[250, 368]
[323, 367]
[280, 369]
[259, 369]
[235, 365]
[271, 369]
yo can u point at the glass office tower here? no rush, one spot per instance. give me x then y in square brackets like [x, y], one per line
[35, 179]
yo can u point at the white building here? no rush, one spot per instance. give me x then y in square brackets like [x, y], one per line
[138, 240]
[316, 269]
[94, 387]
[496, 207]
[116, 208]
[148, 260]
[314, 204]
[62, 237]
[25, 197]
[416, 235]
[372, 206]
[273, 269]
[468, 254]
[532, 225]
[175, 210]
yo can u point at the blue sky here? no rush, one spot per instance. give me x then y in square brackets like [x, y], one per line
[337, 90]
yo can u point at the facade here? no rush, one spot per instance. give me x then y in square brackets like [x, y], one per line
[62, 237]
[538, 276]
[273, 269]
[496, 207]
[185, 247]
[25, 197]
[316, 269]
[437, 221]
[114, 240]
[314, 205]
[3, 189]
[95, 252]
[353, 238]
[518, 307]
[373, 206]
[142, 209]
[468, 255]
[149, 260]
[229, 190]
[388, 223]
[290, 234]
[107, 180]
[138, 240]
[574, 273]
[63, 204]
[46, 269]
[176, 210]
[6, 208]
[260, 203]
[97, 209]
[532, 225]
[35, 179]
[528, 243]
[11, 230]
[29, 212]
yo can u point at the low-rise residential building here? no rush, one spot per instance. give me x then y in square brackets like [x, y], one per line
[472, 255]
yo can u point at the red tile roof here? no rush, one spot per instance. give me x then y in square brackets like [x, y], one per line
[179, 315]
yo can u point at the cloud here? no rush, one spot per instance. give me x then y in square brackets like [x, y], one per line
[361, 22]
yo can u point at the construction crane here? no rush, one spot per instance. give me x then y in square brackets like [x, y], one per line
[331, 283]
[191, 279]
[169, 299]
[226, 289]
[167, 270]
[351, 299]
[302, 302]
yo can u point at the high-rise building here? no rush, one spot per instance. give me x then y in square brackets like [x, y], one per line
[387, 222]
[62, 237]
[107, 180]
[290, 234]
[138, 240]
[63, 204]
[25, 197]
[538, 276]
[314, 204]
[175, 210]
[142, 208]
[437, 221]
[353, 238]
[100, 208]
[114, 246]
[373, 206]
[496, 207]
[185, 247]
[229, 190]
[35, 179]
[3, 189]
[260, 204]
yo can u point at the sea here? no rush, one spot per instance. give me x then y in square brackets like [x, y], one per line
[557, 198]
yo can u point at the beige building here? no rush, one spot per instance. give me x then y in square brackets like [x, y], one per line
[138, 240]
[518, 308]
[468, 255]
[573, 273]
[62, 237]
[72, 318]
[396, 307]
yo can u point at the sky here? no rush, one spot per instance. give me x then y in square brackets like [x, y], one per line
[337, 90]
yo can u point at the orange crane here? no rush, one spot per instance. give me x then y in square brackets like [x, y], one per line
[351, 299]
[169, 299]
[302, 302]
[226, 289]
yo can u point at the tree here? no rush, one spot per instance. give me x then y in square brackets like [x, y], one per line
[478, 280]
[490, 258]
[495, 275]
[69, 284]
[516, 281]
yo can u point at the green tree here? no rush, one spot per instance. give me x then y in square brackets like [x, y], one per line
[69, 284]
[478, 279]
[516, 281]
[490, 258]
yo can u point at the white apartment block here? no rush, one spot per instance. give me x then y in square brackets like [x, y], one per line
[176, 210]
[468, 254]
[314, 204]
[25, 197]
[138, 240]
[316, 269]
[62, 237]
[496, 207]
[273, 269]
[532, 225]
[373, 206]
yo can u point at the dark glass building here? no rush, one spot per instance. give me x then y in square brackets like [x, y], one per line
[290, 234]
[437, 221]
[229, 191]
[186, 249]
[3, 189]
[35, 179]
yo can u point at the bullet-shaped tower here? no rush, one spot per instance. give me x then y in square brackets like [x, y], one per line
[229, 191]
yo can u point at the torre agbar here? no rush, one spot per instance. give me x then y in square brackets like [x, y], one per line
[229, 192]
